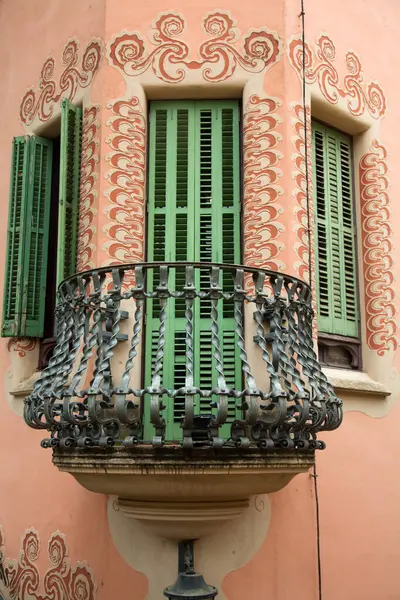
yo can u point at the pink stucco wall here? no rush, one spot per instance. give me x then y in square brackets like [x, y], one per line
[359, 492]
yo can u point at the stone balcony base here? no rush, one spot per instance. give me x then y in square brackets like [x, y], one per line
[178, 495]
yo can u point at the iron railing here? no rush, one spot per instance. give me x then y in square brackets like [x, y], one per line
[85, 397]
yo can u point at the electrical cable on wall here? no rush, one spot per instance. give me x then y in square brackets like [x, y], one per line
[308, 200]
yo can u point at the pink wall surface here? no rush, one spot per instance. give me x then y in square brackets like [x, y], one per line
[359, 492]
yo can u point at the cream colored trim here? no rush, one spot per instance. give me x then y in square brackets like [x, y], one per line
[356, 383]
[25, 386]
[234, 544]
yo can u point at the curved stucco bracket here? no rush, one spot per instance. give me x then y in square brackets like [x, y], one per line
[234, 545]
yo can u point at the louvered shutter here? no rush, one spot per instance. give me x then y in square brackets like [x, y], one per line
[335, 233]
[27, 238]
[12, 295]
[194, 215]
[70, 171]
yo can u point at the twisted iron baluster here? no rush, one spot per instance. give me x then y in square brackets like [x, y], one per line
[113, 302]
[307, 359]
[82, 331]
[69, 407]
[251, 389]
[156, 391]
[122, 406]
[97, 342]
[34, 403]
[302, 397]
[189, 291]
[331, 406]
[215, 297]
[276, 394]
[283, 364]
[276, 388]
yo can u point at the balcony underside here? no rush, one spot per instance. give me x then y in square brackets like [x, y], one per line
[176, 495]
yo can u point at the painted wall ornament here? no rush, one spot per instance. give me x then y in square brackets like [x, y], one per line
[88, 192]
[127, 159]
[377, 247]
[302, 246]
[20, 578]
[218, 57]
[262, 227]
[320, 68]
[40, 104]
[21, 345]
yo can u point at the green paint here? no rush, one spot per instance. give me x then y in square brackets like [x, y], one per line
[70, 171]
[193, 215]
[335, 232]
[27, 237]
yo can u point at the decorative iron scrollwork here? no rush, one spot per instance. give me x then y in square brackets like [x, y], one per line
[84, 400]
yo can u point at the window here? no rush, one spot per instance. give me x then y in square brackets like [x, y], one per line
[337, 297]
[193, 215]
[44, 191]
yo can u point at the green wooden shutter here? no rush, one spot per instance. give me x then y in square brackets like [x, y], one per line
[335, 233]
[27, 238]
[194, 215]
[12, 295]
[70, 173]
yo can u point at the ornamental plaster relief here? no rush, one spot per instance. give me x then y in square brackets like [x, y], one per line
[127, 176]
[38, 104]
[20, 579]
[88, 188]
[227, 55]
[320, 69]
[376, 235]
[170, 57]
[261, 208]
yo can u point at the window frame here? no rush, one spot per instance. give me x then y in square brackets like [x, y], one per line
[349, 345]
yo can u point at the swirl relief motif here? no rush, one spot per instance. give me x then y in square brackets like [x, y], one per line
[20, 579]
[88, 194]
[218, 57]
[41, 104]
[127, 158]
[319, 68]
[377, 246]
[21, 345]
[302, 246]
[261, 190]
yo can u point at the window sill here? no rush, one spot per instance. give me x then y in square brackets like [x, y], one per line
[357, 384]
[24, 388]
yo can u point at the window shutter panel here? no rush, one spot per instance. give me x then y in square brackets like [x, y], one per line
[217, 201]
[70, 173]
[13, 282]
[27, 240]
[36, 237]
[194, 215]
[335, 233]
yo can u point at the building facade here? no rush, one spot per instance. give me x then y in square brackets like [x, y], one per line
[262, 135]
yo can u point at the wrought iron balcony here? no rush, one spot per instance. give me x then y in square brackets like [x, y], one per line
[265, 393]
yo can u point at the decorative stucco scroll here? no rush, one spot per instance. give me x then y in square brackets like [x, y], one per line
[41, 103]
[302, 246]
[20, 578]
[88, 193]
[319, 68]
[262, 210]
[21, 345]
[377, 247]
[218, 57]
[127, 140]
